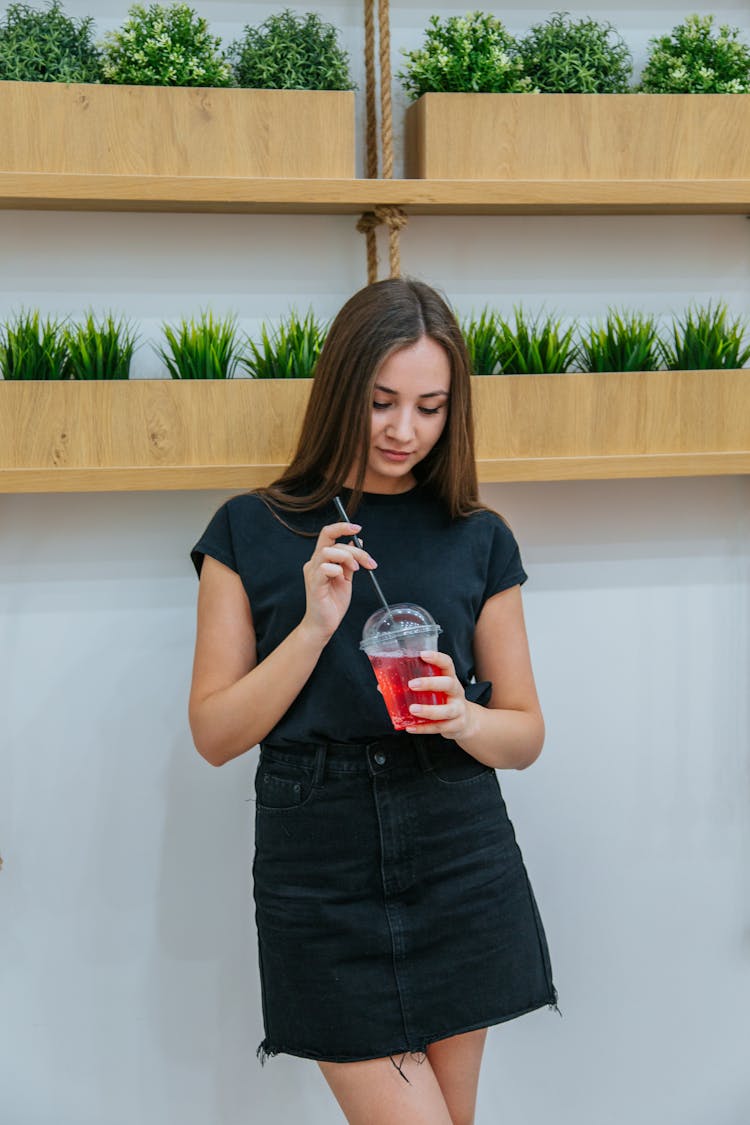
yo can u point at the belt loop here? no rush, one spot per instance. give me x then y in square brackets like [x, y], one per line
[423, 753]
[319, 767]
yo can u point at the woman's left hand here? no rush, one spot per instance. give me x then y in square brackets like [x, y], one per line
[454, 718]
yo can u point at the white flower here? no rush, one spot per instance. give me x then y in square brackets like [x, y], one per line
[696, 25]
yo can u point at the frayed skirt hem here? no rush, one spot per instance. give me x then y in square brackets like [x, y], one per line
[267, 1050]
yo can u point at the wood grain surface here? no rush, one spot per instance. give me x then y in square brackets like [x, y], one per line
[579, 136]
[51, 127]
[164, 434]
[233, 194]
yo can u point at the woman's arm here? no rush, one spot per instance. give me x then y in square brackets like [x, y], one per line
[234, 700]
[509, 732]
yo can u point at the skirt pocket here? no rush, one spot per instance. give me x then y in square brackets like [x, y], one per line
[450, 765]
[281, 785]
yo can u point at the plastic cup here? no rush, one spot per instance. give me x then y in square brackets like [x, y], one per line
[393, 639]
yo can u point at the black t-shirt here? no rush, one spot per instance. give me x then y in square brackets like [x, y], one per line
[451, 567]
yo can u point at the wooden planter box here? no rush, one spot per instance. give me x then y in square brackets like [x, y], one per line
[617, 424]
[144, 434]
[172, 131]
[578, 137]
[161, 434]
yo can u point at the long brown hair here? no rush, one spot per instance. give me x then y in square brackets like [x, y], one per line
[373, 324]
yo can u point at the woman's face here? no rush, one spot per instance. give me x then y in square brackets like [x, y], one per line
[409, 412]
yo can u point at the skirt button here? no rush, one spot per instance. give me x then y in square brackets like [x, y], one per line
[380, 758]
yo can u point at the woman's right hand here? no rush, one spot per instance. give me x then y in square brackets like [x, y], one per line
[328, 579]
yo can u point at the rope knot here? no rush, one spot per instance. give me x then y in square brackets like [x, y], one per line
[385, 214]
[395, 218]
[368, 221]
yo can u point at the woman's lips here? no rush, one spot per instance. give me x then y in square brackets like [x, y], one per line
[393, 454]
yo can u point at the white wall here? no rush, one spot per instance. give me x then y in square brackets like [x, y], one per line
[128, 981]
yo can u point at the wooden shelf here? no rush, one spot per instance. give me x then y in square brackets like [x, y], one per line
[196, 478]
[159, 434]
[143, 435]
[66, 191]
[616, 467]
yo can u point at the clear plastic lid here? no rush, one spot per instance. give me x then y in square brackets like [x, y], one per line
[396, 622]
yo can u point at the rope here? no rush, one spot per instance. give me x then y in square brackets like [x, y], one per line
[372, 121]
[367, 223]
[386, 114]
[394, 218]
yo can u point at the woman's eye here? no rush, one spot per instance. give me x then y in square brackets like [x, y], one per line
[422, 409]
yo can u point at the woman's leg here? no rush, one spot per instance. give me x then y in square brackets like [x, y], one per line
[455, 1063]
[373, 1092]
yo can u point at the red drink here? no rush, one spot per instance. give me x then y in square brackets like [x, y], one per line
[393, 638]
[393, 674]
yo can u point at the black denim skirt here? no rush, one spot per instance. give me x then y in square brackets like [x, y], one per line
[392, 902]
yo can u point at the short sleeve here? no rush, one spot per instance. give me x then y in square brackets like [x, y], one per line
[504, 568]
[216, 541]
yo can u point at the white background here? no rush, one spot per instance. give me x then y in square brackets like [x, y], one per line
[128, 981]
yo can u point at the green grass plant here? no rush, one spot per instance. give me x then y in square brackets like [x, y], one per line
[291, 52]
[46, 45]
[288, 352]
[536, 346]
[567, 56]
[486, 345]
[100, 349]
[707, 339]
[206, 348]
[622, 342]
[32, 348]
[471, 54]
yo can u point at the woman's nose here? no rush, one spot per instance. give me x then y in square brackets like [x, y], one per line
[401, 426]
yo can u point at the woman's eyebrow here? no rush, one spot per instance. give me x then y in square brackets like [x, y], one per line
[429, 394]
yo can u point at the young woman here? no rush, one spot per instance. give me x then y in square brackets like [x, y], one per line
[395, 919]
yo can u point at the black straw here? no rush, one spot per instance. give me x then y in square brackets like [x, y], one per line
[358, 543]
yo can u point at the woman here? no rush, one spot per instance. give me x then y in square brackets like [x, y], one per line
[395, 919]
